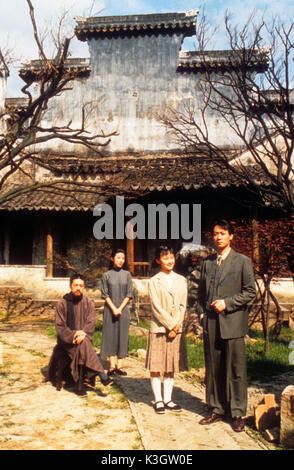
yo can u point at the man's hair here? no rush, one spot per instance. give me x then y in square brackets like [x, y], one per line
[163, 250]
[224, 224]
[76, 276]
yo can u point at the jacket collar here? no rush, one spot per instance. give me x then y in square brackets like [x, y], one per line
[162, 279]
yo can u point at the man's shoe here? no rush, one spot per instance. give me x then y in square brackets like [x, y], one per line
[81, 391]
[105, 379]
[120, 372]
[212, 418]
[238, 424]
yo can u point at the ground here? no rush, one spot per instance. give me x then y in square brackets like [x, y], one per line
[35, 416]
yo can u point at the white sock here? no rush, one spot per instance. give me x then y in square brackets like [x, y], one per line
[156, 388]
[168, 384]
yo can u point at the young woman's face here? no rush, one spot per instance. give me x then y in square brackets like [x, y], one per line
[119, 260]
[167, 261]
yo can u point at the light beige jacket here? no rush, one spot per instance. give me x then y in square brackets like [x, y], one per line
[168, 303]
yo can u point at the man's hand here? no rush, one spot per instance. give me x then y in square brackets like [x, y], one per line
[79, 336]
[218, 305]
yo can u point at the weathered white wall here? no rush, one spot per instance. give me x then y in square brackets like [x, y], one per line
[133, 81]
[33, 279]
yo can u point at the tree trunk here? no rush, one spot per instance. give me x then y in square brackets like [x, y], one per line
[267, 315]
[280, 315]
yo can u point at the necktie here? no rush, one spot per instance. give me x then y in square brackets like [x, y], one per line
[219, 260]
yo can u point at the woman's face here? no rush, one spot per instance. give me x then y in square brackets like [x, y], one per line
[119, 260]
[167, 262]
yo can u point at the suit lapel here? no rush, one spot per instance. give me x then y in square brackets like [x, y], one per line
[227, 265]
[210, 271]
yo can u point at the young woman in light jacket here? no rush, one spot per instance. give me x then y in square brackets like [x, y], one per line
[166, 351]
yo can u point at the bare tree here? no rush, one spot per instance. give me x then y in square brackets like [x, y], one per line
[248, 89]
[24, 128]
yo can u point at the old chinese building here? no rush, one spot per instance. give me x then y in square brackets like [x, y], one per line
[136, 71]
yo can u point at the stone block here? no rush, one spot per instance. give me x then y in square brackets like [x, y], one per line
[266, 413]
[138, 331]
[287, 417]
[141, 353]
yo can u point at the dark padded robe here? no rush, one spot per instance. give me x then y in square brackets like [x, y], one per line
[82, 354]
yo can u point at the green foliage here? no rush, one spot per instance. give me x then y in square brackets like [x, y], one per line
[195, 354]
[51, 331]
[137, 342]
[261, 366]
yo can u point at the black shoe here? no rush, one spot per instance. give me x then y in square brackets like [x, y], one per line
[174, 407]
[81, 391]
[238, 424]
[212, 418]
[111, 372]
[105, 379]
[159, 409]
[120, 372]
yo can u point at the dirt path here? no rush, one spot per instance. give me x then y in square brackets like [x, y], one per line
[34, 415]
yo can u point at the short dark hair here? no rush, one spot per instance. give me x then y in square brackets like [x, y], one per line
[118, 250]
[76, 276]
[163, 250]
[224, 224]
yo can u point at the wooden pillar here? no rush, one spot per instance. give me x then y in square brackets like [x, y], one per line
[130, 248]
[49, 255]
[6, 250]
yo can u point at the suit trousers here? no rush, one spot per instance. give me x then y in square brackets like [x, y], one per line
[226, 371]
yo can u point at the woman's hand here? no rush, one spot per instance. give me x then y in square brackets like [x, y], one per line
[173, 333]
[116, 311]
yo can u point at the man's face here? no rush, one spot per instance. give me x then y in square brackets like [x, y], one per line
[167, 261]
[221, 237]
[77, 287]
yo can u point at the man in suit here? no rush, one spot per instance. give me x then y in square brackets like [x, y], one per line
[226, 286]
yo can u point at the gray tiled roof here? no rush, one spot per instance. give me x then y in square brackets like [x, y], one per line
[101, 25]
[132, 177]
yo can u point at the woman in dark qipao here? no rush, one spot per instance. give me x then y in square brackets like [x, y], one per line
[117, 292]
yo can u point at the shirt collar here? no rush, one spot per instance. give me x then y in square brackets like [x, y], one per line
[225, 254]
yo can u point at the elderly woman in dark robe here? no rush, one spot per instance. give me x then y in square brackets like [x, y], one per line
[75, 325]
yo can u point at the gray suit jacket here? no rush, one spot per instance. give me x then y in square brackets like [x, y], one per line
[236, 287]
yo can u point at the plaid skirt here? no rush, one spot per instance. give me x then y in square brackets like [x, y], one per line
[166, 355]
